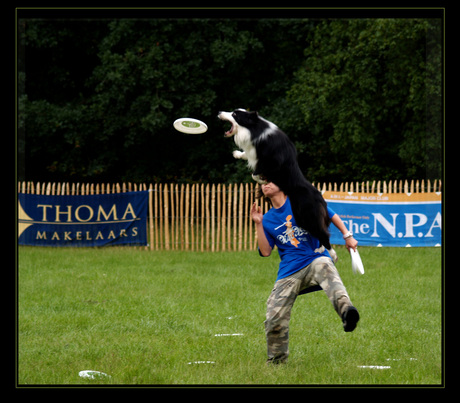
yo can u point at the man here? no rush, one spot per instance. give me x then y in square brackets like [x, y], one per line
[305, 266]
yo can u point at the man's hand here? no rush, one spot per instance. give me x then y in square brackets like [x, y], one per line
[351, 243]
[264, 246]
[256, 214]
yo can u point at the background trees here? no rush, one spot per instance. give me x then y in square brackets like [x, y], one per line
[364, 92]
[97, 98]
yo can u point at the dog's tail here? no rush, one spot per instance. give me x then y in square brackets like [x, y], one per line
[310, 212]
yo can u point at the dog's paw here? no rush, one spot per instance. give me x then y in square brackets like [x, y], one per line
[239, 154]
[259, 179]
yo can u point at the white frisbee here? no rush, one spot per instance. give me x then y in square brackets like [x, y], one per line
[375, 366]
[201, 362]
[228, 334]
[356, 262]
[189, 125]
[90, 374]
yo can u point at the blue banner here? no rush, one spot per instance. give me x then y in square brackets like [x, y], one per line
[403, 220]
[90, 220]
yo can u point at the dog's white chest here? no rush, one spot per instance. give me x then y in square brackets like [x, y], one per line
[243, 140]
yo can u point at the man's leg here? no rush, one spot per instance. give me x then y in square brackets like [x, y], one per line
[279, 306]
[323, 272]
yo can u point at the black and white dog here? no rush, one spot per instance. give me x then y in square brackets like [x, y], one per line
[272, 156]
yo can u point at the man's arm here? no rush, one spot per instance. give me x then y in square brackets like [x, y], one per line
[257, 216]
[349, 242]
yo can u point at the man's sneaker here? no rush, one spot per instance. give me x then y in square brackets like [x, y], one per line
[350, 318]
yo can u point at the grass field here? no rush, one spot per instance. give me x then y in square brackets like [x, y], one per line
[142, 317]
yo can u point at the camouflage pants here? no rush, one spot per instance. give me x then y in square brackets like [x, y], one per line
[320, 272]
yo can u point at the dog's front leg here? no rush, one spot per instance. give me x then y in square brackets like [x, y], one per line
[239, 155]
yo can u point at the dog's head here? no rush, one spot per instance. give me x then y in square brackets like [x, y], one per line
[238, 118]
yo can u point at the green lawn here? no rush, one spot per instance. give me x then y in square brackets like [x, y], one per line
[142, 317]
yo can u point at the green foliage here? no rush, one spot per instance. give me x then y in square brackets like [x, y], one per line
[360, 98]
[141, 76]
[363, 93]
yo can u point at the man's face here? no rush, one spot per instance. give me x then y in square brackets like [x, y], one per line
[270, 189]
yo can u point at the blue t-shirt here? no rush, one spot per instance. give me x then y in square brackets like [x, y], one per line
[296, 247]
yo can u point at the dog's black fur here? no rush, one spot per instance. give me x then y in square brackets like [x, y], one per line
[273, 157]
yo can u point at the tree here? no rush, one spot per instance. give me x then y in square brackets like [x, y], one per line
[361, 99]
[112, 118]
[369, 95]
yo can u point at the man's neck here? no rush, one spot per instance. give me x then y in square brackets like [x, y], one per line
[278, 200]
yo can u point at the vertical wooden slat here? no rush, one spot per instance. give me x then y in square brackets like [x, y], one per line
[172, 230]
[219, 214]
[186, 215]
[192, 217]
[151, 218]
[235, 217]
[245, 215]
[208, 216]
[176, 209]
[166, 215]
[240, 217]
[202, 216]
[155, 197]
[213, 218]
[181, 215]
[229, 216]
[223, 226]
[251, 201]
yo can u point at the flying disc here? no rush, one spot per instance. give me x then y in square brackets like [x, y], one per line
[189, 125]
[375, 366]
[90, 374]
[228, 334]
[356, 262]
[201, 362]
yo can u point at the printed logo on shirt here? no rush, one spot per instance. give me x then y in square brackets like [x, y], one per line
[293, 234]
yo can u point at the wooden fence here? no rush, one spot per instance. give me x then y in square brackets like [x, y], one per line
[209, 217]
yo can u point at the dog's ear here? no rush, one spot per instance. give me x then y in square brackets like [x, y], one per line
[253, 115]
